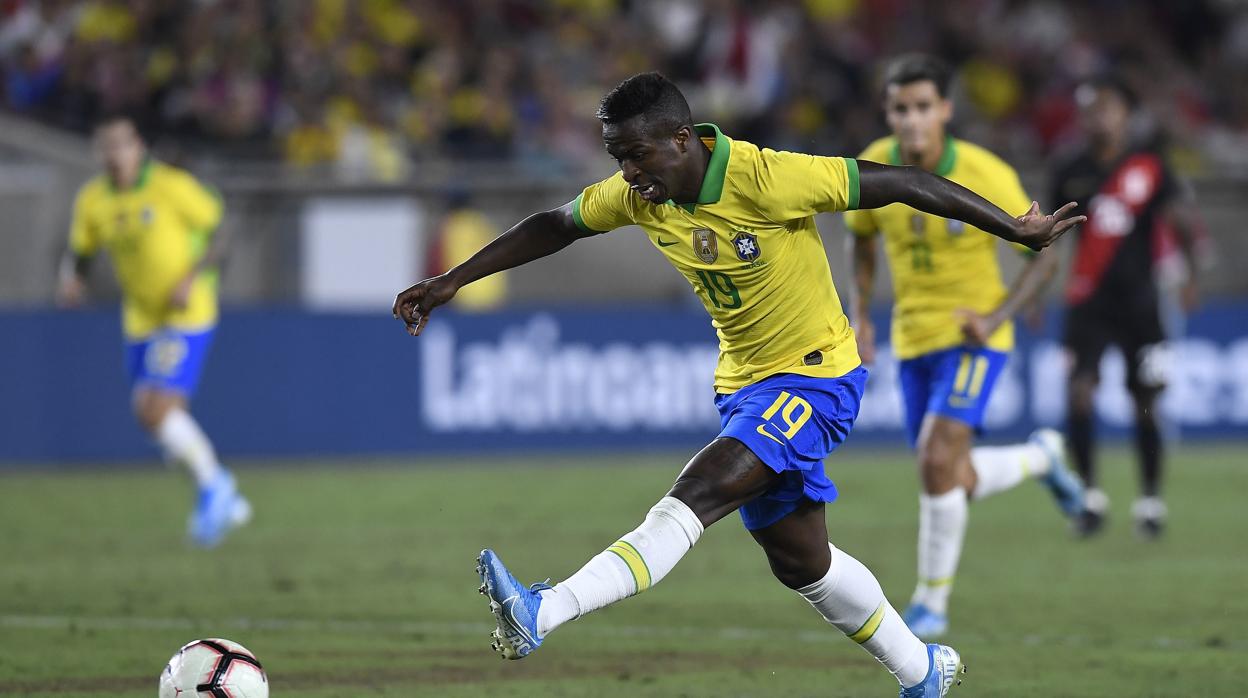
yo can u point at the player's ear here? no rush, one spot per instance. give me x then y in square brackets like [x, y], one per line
[683, 136]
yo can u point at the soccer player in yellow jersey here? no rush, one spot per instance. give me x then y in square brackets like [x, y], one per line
[738, 222]
[951, 327]
[157, 223]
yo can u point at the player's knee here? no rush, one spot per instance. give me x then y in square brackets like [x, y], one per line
[702, 495]
[937, 466]
[150, 410]
[149, 416]
[791, 571]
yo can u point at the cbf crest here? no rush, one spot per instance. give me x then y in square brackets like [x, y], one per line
[746, 245]
[704, 245]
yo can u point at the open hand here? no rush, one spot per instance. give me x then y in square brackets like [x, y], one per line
[71, 292]
[181, 293]
[413, 305]
[1038, 231]
[976, 328]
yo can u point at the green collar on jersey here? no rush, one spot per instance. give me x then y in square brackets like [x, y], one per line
[716, 168]
[145, 172]
[947, 158]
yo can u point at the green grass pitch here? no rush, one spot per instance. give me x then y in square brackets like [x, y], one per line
[356, 579]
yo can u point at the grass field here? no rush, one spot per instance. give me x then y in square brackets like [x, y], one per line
[356, 579]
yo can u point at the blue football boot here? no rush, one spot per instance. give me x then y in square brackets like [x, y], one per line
[925, 622]
[945, 670]
[219, 508]
[514, 607]
[1066, 487]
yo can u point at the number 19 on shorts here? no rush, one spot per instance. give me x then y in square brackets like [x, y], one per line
[794, 412]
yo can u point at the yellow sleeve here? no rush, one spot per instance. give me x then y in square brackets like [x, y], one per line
[796, 185]
[604, 206]
[83, 240]
[199, 206]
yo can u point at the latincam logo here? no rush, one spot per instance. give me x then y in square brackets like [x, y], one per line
[529, 379]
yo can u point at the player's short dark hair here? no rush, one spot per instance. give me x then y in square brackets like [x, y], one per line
[1116, 83]
[916, 67]
[651, 96]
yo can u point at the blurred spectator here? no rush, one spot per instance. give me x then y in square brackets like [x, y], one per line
[462, 231]
[321, 82]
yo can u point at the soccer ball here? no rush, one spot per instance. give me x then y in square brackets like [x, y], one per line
[213, 668]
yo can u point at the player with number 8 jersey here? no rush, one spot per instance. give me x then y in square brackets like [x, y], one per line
[952, 328]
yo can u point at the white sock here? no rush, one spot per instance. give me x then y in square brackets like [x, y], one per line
[942, 525]
[998, 468]
[629, 566]
[184, 442]
[850, 598]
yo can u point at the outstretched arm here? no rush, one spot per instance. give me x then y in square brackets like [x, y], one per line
[881, 185]
[537, 236]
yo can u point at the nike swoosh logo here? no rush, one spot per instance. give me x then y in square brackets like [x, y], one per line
[762, 430]
[664, 243]
[509, 605]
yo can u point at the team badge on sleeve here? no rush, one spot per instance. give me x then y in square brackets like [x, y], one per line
[704, 245]
[746, 246]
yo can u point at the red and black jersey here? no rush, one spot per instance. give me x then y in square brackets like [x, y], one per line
[1124, 203]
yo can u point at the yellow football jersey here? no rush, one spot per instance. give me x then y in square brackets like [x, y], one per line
[155, 232]
[939, 265]
[750, 250]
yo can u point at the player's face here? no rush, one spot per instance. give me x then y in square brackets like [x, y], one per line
[1103, 111]
[917, 115]
[655, 165]
[120, 148]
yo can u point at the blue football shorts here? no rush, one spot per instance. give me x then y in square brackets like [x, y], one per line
[169, 360]
[954, 383]
[792, 423]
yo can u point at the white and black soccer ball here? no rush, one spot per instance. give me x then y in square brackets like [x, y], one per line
[213, 668]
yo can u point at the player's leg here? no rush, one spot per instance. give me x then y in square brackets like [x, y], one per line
[1086, 338]
[165, 370]
[845, 593]
[718, 480]
[1147, 370]
[164, 415]
[774, 436]
[946, 479]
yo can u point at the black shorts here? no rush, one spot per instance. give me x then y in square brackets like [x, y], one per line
[1136, 332]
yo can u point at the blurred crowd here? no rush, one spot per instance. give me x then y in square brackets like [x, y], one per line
[374, 87]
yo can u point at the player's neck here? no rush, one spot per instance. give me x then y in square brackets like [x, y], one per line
[928, 160]
[702, 158]
[1108, 150]
[123, 180]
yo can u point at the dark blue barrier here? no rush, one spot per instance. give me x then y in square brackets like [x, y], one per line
[289, 382]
